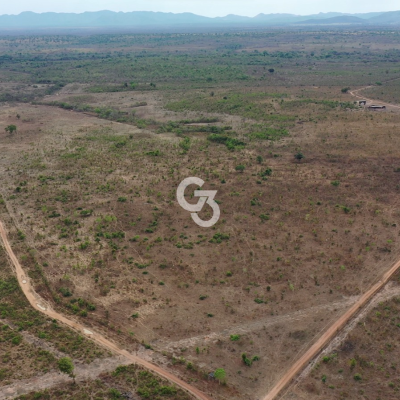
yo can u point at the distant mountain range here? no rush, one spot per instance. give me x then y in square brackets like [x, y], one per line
[140, 19]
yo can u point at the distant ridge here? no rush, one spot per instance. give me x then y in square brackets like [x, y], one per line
[392, 17]
[140, 19]
[344, 19]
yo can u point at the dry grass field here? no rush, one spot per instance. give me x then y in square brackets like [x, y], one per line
[89, 181]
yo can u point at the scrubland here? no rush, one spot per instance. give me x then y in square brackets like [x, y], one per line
[307, 181]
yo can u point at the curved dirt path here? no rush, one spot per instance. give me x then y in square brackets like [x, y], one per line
[38, 303]
[355, 93]
[346, 317]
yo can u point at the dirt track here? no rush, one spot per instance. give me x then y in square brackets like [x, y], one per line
[37, 302]
[354, 93]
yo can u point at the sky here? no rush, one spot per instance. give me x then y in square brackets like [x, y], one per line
[211, 8]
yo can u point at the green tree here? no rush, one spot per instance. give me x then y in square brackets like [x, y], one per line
[220, 375]
[260, 159]
[11, 129]
[66, 366]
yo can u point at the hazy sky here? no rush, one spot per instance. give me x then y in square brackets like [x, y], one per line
[203, 7]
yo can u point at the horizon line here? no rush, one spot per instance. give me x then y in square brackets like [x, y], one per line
[189, 12]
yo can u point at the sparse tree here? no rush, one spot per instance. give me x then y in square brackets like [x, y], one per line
[11, 129]
[66, 366]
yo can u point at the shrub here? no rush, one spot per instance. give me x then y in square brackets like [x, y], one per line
[219, 237]
[115, 394]
[11, 129]
[65, 292]
[357, 377]
[86, 213]
[247, 361]
[185, 144]
[240, 168]
[16, 340]
[299, 156]
[154, 153]
[267, 172]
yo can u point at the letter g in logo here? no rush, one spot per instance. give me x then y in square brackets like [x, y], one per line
[206, 196]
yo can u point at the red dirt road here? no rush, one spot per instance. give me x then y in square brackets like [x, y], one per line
[38, 303]
[330, 334]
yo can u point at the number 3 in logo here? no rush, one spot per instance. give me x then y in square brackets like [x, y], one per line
[206, 196]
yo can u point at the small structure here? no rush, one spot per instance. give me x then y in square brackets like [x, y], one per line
[375, 107]
[362, 102]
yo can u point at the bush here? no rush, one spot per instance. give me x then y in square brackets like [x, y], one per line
[230, 142]
[299, 156]
[16, 340]
[267, 172]
[185, 144]
[357, 377]
[219, 237]
[65, 292]
[11, 129]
